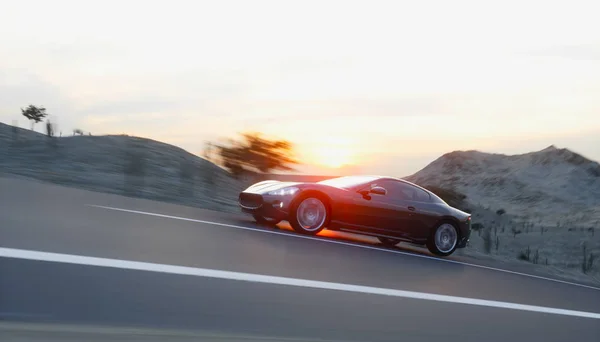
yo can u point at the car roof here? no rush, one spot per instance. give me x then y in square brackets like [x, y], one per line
[380, 177]
[402, 180]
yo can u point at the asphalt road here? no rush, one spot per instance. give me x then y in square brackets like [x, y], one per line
[60, 290]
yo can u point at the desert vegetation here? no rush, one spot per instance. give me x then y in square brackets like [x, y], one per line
[34, 114]
[254, 153]
[568, 247]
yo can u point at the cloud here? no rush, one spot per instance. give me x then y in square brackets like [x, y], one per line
[18, 88]
[590, 52]
[124, 119]
[345, 109]
[129, 107]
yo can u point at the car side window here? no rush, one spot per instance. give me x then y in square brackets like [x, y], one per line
[402, 191]
[419, 195]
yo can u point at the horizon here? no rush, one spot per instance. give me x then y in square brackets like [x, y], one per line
[386, 90]
[341, 171]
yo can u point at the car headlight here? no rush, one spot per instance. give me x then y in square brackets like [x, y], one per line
[283, 192]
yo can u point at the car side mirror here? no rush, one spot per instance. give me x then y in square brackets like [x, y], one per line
[377, 190]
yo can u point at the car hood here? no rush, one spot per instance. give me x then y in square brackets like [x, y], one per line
[266, 186]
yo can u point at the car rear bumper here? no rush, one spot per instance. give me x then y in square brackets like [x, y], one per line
[465, 234]
[462, 243]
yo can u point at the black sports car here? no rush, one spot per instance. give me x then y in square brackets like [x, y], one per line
[390, 209]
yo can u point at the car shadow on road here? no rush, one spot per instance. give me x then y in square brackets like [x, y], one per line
[355, 239]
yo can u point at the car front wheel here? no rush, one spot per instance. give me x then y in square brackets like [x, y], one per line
[443, 240]
[309, 215]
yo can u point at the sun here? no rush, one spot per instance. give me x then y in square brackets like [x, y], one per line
[333, 156]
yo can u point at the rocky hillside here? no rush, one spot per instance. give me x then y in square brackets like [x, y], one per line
[550, 185]
[118, 164]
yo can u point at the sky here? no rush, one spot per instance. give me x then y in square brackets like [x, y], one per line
[379, 87]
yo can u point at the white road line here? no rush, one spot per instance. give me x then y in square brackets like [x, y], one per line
[266, 279]
[343, 243]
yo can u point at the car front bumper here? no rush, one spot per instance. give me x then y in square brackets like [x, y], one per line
[265, 205]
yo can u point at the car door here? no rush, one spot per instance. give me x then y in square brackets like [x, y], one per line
[415, 201]
[384, 214]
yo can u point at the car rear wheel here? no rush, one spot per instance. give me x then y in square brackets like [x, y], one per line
[309, 215]
[443, 240]
[266, 220]
[388, 242]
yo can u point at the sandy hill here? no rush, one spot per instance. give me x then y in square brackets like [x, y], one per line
[552, 184]
[118, 164]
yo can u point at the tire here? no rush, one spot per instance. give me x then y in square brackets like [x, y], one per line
[388, 242]
[309, 214]
[265, 220]
[443, 240]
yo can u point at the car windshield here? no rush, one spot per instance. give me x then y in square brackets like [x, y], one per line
[349, 181]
